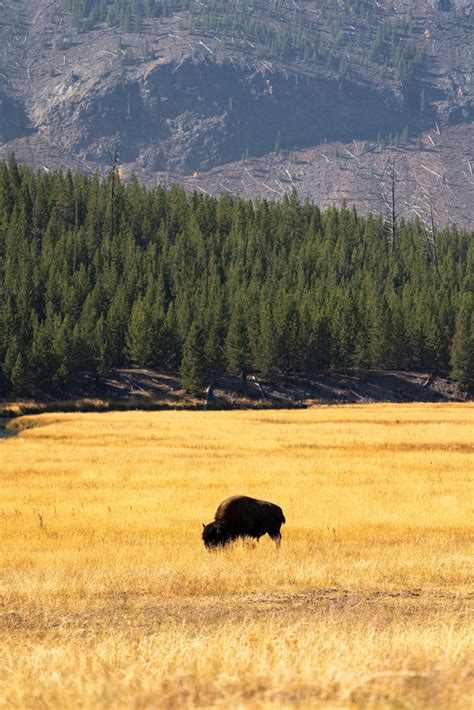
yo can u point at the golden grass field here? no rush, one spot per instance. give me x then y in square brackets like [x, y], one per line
[108, 599]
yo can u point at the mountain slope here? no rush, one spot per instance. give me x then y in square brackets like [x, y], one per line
[255, 98]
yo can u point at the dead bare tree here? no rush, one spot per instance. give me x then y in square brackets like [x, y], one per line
[426, 213]
[76, 227]
[114, 162]
[423, 205]
[388, 177]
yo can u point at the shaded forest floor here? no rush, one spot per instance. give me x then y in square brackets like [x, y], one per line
[124, 389]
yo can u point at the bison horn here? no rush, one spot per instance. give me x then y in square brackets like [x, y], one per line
[203, 525]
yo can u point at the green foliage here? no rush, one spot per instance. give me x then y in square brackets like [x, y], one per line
[206, 285]
[139, 339]
[194, 372]
[462, 351]
[128, 14]
[237, 349]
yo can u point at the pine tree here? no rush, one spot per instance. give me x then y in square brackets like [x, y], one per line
[139, 338]
[236, 347]
[170, 343]
[318, 346]
[462, 350]
[378, 326]
[14, 366]
[40, 355]
[116, 325]
[287, 328]
[100, 347]
[343, 330]
[19, 375]
[194, 370]
[265, 345]
[63, 353]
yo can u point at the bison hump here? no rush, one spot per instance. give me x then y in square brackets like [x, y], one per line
[237, 504]
[238, 510]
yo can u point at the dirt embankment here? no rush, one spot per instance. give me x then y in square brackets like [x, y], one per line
[124, 389]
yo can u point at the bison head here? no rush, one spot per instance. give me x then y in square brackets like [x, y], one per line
[214, 534]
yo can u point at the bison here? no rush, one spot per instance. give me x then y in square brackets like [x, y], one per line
[241, 516]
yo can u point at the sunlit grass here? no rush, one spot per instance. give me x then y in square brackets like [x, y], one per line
[109, 599]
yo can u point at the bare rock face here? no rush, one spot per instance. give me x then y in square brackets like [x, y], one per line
[223, 112]
[14, 122]
[199, 114]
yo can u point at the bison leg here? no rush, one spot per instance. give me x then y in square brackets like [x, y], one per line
[250, 541]
[276, 537]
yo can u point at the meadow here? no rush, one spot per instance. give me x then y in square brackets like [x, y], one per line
[108, 598]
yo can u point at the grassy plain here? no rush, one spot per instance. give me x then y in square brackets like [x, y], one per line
[108, 598]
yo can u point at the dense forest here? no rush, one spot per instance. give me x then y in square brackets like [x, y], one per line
[97, 274]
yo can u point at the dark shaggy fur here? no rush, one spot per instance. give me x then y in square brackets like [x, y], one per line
[241, 516]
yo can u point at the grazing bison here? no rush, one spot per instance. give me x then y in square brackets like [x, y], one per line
[241, 516]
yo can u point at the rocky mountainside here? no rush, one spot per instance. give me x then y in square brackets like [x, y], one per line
[340, 100]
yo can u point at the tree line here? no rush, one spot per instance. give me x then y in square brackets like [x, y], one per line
[96, 274]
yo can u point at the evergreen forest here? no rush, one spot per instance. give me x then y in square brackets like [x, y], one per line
[96, 274]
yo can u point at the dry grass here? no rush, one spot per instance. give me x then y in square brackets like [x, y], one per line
[94, 404]
[109, 600]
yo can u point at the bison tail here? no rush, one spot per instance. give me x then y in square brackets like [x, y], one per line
[283, 519]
